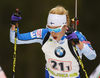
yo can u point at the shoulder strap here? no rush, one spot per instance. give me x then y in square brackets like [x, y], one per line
[71, 48]
[74, 54]
[70, 44]
[46, 38]
[72, 51]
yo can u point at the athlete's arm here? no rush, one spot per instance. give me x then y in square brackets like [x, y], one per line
[35, 36]
[80, 45]
[86, 49]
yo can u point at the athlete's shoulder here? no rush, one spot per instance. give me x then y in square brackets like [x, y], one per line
[39, 33]
[44, 32]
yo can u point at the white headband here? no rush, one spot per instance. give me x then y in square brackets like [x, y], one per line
[56, 20]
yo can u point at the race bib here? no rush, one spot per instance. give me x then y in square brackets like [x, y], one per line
[58, 65]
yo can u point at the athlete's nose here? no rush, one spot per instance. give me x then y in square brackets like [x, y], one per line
[53, 33]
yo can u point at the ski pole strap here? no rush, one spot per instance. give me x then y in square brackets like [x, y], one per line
[81, 63]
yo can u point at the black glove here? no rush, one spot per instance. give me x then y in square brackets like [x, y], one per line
[71, 36]
[15, 18]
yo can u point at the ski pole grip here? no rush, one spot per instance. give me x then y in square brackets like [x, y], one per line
[68, 33]
[17, 10]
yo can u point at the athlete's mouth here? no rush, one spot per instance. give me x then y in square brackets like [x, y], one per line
[55, 38]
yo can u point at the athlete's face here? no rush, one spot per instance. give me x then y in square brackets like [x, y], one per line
[56, 33]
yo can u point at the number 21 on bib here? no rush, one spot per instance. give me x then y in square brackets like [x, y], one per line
[58, 65]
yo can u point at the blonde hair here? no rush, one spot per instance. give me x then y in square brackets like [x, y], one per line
[61, 11]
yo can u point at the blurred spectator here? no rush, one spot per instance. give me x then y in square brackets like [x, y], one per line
[2, 74]
[96, 72]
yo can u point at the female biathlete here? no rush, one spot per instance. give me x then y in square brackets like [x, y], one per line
[56, 45]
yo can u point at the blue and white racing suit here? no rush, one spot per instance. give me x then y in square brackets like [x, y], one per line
[60, 63]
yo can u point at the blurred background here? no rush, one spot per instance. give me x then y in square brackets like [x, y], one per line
[30, 58]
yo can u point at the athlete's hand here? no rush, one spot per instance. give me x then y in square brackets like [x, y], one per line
[71, 36]
[15, 18]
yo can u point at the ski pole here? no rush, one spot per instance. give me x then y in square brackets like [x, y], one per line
[75, 15]
[15, 47]
[81, 63]
[74, 21]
